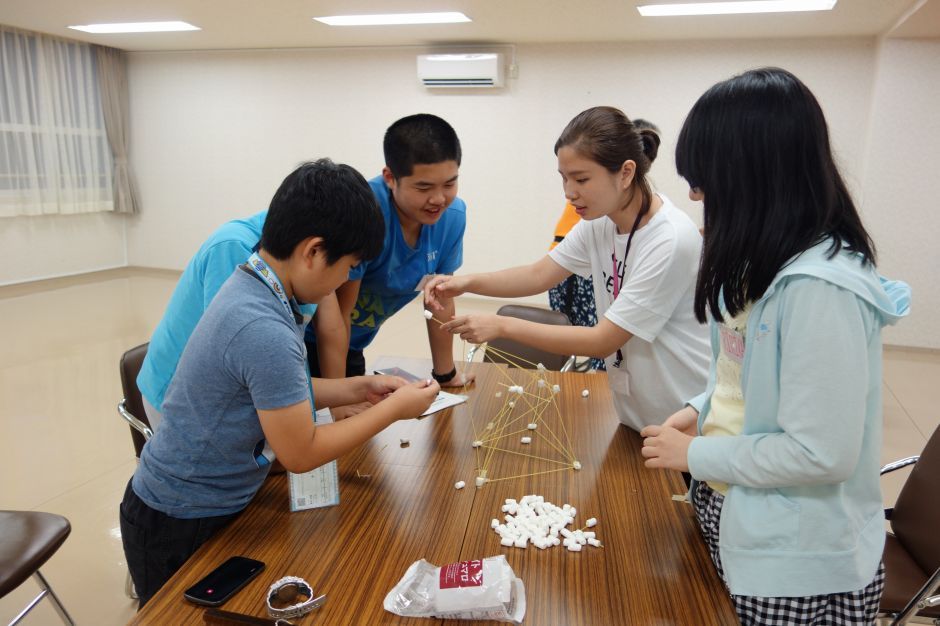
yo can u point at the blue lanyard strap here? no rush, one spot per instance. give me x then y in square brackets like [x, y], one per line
[259, 267]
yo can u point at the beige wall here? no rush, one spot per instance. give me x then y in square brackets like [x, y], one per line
[902, 170]
[58, 245]
[213, 133]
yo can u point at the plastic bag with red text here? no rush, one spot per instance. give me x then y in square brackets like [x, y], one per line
[482, 589]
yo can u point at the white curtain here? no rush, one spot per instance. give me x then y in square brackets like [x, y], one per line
[112, 80]
[54, 152]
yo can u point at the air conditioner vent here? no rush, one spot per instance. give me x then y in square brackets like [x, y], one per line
[461, 70]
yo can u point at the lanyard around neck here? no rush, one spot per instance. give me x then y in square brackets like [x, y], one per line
[626, 251]
[619, 358]
[259, 267]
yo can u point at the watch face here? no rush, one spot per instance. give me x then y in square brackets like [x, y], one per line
[289, 595]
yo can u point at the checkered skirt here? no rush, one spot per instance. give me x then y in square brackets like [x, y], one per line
[855, 607]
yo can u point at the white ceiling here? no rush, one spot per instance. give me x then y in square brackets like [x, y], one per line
[230, 24]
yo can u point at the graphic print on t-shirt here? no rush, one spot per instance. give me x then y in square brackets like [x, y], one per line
[609, 276]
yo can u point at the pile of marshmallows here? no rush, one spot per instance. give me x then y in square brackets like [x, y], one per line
[534, 520]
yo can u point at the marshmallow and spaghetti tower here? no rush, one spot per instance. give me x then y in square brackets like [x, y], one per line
[529, 414]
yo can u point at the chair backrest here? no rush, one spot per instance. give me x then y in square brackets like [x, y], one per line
[131, 362]
[525, 353]
[916, 515]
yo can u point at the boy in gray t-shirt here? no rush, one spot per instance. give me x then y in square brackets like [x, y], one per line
[242, 396]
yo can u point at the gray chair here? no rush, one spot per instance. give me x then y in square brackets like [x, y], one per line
[27, 540]
[528, 357]
[131, 408]
[912, 550]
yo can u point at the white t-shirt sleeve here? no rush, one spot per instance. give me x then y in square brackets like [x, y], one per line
[659, 277]
[574, 251]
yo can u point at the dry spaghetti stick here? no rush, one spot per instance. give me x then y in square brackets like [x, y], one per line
[494, 480]
[537, 458]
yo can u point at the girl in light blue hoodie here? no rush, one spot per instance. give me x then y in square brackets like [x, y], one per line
[784, 443]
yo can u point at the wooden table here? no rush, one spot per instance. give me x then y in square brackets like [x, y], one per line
[398, 505]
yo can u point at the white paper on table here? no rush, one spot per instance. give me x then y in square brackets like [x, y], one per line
[318, 487]
[443, 401]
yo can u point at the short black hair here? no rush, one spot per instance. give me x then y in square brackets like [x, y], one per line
[421, 139]
[328, 200]
[757, 147]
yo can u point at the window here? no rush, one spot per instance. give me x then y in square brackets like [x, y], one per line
[54, 151]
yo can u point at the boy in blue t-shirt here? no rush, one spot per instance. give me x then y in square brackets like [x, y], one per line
[424, 227]
[241, 394]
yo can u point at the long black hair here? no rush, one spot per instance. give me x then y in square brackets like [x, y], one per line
[757, 147]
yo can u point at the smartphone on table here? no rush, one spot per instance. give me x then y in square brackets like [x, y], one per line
[224, 581]
[397, 371]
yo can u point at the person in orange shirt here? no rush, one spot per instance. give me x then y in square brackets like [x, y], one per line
[574, 296]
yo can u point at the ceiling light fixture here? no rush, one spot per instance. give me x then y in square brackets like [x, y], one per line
[136, 27]
[394, 19]
[729, 8]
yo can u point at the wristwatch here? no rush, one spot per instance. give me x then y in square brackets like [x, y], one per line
[292, 597]
[444, 378]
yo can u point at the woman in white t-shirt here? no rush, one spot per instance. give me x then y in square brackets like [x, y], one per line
[643, 254]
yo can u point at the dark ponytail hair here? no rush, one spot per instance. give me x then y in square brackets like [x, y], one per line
[608, 137]
[757, 147]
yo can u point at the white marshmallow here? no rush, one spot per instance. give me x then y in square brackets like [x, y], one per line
[477, 443]
[405, 441]
[540, 367]
[526, 440]
[591, 523]
[428, 315]
[512, 404]
[576, 465]
[543, 524]
[585, 393]
[481, 480]
[533, 426]
[556, 389]
[459, 484]
[542, 383]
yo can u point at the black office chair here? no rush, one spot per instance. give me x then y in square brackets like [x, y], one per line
[528, 357]
[912, 550]
[131, 408]
[27, 540]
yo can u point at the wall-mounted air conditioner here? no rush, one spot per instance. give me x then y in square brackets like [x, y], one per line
[480, 69]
